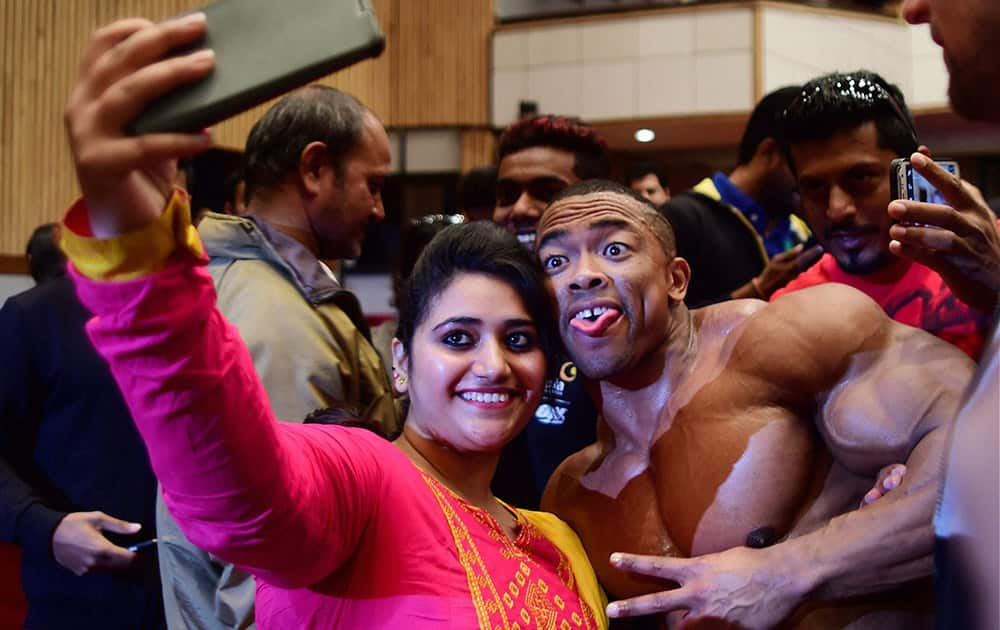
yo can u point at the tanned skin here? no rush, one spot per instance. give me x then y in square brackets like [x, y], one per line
[739, 425]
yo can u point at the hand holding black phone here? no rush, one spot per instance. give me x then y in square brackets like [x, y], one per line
[264, 48]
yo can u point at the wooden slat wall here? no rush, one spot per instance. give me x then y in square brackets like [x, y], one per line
[443, 57]
[479, 147]
[40, 55]
[434, 72]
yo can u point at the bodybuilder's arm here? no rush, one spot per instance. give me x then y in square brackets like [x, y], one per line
[894, 403]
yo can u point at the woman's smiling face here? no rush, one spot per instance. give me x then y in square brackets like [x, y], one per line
[475, 371]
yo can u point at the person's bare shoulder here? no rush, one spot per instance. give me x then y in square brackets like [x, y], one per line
[728, 313]
[881, 384]
[843, 321]
[799, 345]
[835, 308]
[830, 321]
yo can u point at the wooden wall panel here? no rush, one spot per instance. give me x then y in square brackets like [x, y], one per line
[40, 55]
[433, 73]
[42, 43]
[479, 148]
[443, 62]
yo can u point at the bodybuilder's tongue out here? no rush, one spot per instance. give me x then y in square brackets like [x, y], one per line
[593, 322]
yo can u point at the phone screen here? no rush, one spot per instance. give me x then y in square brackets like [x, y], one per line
[919, 189]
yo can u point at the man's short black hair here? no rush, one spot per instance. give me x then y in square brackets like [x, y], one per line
[765, 120]
[839, 102]
[637, 170]
[45, 259]
[589, 150]
[656, 219]
[316, 113]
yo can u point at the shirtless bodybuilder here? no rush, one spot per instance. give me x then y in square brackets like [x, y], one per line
[742, 433]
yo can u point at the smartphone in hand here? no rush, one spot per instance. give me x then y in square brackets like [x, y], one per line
[264, 48]
[146, 544]
[906, 183]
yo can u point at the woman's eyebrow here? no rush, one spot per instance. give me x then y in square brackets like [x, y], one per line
[461, 319]
[519, 322]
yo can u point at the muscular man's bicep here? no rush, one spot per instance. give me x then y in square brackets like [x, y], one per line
[879, 386]
[898, 390]
[895, 392]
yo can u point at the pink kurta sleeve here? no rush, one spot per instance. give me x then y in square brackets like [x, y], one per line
[288, 502]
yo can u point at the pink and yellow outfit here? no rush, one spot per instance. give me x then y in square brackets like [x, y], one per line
[339, 527]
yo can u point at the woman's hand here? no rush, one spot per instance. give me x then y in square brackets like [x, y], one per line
[127, 180]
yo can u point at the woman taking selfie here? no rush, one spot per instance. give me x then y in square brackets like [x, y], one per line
[341, 528]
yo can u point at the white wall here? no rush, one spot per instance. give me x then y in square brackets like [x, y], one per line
[800, 45]
[12, 284]
[433, 150]
[928, 70]
[700, 61]
[374, 291]
[675, 63]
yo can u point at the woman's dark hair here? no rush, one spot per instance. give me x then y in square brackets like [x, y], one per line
[478, 247]
[416, 236]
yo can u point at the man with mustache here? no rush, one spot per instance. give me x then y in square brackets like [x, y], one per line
[841, 134]
[737, 439]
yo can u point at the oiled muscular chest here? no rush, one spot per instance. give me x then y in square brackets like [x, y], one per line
[630, 522]
[712, 480]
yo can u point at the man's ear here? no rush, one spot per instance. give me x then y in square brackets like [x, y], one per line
[770, 153]
[400, 367]
[313, 160]
[680, 274]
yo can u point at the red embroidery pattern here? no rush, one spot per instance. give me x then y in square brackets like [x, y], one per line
[528, 600]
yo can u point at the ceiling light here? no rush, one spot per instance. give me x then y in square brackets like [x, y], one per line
[645, 135]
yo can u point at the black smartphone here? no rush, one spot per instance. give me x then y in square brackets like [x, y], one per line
[146, 544]
[907, 183]
[264, 48]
